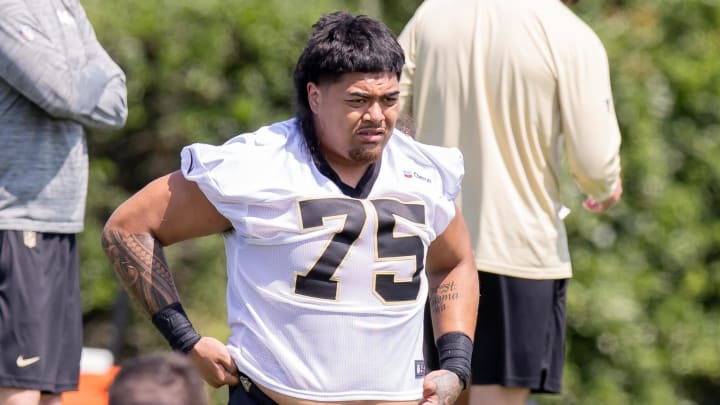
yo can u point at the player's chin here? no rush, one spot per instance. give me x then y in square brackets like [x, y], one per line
[368, 153]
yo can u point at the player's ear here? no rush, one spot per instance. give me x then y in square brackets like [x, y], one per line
[314, 95]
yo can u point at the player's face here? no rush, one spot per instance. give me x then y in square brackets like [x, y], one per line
[355, 116]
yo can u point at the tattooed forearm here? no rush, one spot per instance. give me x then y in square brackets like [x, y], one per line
[140, 264]
[442, 295]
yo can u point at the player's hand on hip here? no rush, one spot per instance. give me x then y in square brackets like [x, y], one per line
[441, 387]
[212, 359]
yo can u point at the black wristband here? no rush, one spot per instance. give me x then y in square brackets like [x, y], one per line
[175, 326]
[455, 354]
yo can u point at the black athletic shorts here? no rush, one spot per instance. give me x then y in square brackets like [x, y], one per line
[520, 334]
[247, 393]
[40, 315]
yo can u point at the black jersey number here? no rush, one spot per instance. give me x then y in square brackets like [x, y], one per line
[319, 280]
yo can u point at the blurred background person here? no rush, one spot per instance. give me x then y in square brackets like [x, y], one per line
[158, 379]
[55, 78]
[513, 84]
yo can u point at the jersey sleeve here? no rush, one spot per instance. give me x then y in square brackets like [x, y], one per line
[450, 168]
[248, 169]
[589, 124]
[201, 163]
[230, 175]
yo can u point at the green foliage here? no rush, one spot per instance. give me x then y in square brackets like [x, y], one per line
[644, 303]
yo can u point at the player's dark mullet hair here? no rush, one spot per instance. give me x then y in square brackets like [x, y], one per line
[342, 43]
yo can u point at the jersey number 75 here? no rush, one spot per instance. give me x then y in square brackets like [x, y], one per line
[319, 281]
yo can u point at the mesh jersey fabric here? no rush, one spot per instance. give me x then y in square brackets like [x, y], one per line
[326, 292]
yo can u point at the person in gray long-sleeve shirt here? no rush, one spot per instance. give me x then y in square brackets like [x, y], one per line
[55, 79]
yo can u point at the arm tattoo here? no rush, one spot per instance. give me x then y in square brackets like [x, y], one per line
[442, 295]
[139, 262]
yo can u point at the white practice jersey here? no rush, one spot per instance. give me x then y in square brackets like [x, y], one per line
[326, 284]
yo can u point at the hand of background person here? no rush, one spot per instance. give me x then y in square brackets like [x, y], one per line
[212, 359]
[593, 205]
[441, 387]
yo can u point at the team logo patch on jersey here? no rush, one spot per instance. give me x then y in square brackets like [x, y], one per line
[25, 33]
[409, 174]
[419, 368]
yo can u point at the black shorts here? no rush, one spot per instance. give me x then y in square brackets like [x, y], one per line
[40, 314]
[247, 393]
[520, 334]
